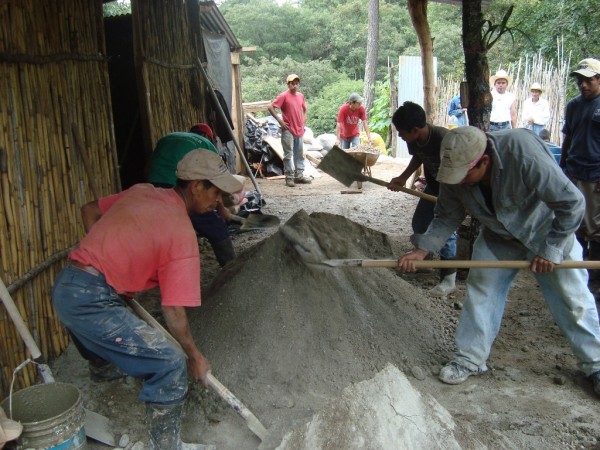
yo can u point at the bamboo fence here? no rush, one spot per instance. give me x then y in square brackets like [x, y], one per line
[552, 75]
[54, 85]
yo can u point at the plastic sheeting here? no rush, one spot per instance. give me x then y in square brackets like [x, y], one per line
[259, 151]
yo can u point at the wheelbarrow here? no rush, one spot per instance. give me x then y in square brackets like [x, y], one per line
[367, 155]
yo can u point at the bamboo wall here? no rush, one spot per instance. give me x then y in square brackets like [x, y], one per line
[167, 48]
[552, 75]
[53, 90]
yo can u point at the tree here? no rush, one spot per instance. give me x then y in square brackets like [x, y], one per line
[476, 65]
[418, 15]
[372, 46]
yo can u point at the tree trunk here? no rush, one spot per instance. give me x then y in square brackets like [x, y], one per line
[418, 15]
[372, 48]
[476, 66]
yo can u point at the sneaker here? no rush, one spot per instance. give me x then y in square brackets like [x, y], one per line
[455, 373]
[289, 182]
[595, 377]
[303, 180]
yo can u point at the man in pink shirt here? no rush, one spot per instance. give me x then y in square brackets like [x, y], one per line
[293, 116]
[128, 249]
[350, 113]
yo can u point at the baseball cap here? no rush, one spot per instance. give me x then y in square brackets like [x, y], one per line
[588, 68]
[355, 98]
[291, 77]
[202, 128]
[203, 164]
[460, 150]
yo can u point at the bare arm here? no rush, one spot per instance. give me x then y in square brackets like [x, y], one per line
[279, 119]
[400, 180]
[179, 327]
[513, 114]
[367, 131]
[90, 214]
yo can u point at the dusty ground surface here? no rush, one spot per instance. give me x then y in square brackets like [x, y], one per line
[288, 337]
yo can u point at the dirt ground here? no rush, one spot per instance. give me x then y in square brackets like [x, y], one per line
[287, 336]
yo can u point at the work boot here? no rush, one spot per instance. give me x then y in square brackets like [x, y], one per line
[104, 371]
[289, 181]
[456, 373]
[447, 285]
[224, 251]
[301, 179]
[164, 422]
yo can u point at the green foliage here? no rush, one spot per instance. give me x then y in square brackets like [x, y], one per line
[116, 8]
[323, 110]
[379, 116]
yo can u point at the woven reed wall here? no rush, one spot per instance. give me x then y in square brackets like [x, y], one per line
[54, 94]
[168, 46]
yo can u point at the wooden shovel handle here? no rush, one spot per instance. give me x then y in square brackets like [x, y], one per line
[467, 264]
[431, 198]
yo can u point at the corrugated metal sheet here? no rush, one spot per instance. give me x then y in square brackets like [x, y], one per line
[212, 20]
[410, 87]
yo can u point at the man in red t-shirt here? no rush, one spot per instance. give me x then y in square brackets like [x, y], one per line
[293, 116]
[346, 130]
[130, 247]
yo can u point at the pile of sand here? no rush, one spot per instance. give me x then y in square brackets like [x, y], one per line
[288, 335]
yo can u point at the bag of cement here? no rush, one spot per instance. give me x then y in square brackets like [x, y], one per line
[308, 137]
[327, 140]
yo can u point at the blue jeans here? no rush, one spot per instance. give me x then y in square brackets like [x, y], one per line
[352, 142]
[421, 219]
[211, 226]
[506, 126]
[95, 314]
[293, 153]
[565, 292]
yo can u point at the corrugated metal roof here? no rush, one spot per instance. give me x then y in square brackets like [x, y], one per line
[212, 20]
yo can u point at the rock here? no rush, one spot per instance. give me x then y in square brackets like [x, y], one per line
[124, 441]
[560, 380]
[418, 373]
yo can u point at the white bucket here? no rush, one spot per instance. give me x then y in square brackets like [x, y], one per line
[52, 416]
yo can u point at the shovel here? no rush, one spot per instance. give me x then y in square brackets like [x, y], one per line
[455, 264]
[346, 169]
[96, 426]
[251, 420]
[256, 221]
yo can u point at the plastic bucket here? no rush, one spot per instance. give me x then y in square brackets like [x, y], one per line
[52, 416]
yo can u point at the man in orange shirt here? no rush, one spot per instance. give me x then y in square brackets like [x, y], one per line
[138, 239]
[292, 120]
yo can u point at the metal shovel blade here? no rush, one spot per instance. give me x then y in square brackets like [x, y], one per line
[341, 166]
[259, 221]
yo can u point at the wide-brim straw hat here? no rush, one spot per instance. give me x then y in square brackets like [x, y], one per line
[501, 74]
[536, 87]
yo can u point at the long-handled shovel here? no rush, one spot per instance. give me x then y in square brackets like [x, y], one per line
[96, 426]
[251, 421]
[346, 169]
[454, 264]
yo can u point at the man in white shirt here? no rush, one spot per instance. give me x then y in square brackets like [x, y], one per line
[536, 110]
[504, 107]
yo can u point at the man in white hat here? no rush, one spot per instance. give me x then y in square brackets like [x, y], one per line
[349, 115]
[536, 110]
[138, 239]
[504, 104]
[581, 150]
[293, 109]
[528, 210]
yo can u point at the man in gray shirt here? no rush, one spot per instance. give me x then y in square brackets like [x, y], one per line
[528, 210]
